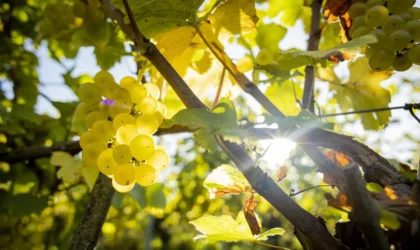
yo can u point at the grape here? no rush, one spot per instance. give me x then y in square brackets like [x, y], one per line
[402, 63]
[104, 107]
[264, 57]
[125, 134]
[414, 54]
[368, 51]
[101, 77]
[122, 154]
[106, 163]
[145, 175]
[399, 39]
[381, 36]
[109, 88]
[399, 6]
[371, 3]
[104, 128]
[122, 188]
[244, 64]
[138, 93]
[89, 93]
[361, 31]
[415, 11]
[87, 138]
[142, 147]
[120, 106]
[124, 174]
[393, 23]
[127, 82]
[147, 124]
[357, 9]
[153, 90]
[381, 59]
[92, 117]
[83, 109]
[120, 93]
[147, 106]
[159, 159]
[159, 118]
[376, 16]
[91, 152]
[413, 28]
[123, 119]
[162, 108]
[406, 16]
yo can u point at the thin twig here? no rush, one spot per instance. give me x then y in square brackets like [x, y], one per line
[292, 191]
[219, 89]
[269, 245]
[139, 38]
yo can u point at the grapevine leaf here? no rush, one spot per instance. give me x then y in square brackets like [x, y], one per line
[234, 17]
[174, 42]
[90, 174]
[281, 173]
[23, 204]
[155, 16]
[269, 36]
[289, 11]
[287, 103]
[156, 200]
[205, 141]
[272, 232]
[70, 169]
[251, 217]
[374, 187]
[389, 219]
[226, 180]
[139, 194]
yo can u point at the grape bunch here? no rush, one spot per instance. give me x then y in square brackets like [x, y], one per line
[121, 120]
[396, 25]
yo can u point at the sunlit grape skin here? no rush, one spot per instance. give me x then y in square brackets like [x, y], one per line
[106, 163]
[145, 175]
[142, 147]
[124, 174]
[381, 59]
[376, 16]
[122, 154]
[147, 124]
[89, 93]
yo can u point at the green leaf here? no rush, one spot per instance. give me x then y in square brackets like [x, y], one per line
[139, 194]
[289, 11]
[24, 204]
[287, 103]
[158, 16]
[226, 180]
[374, 187]
[271, 232]
[234, 17]
[304, 119]
[155, 196]
[225, 228]
[70, 169]
[389, 219]
[269, 36]
[90, 174]
[293, 59]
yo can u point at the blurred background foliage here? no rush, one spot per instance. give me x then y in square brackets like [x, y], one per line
[40, 210]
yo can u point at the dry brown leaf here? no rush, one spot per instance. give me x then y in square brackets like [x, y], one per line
[250, 217]
[390, 193]
[338, 158]
[335, 8]
[281, 173]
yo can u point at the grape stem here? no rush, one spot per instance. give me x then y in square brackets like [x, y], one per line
[219, 89]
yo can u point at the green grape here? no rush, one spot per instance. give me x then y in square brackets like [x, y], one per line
[402, 63]
[356, 23]
[413, 28]
[162, 108]
[407, 16]
[153, 90]
[104, 128]
[104, 107]
[145, 175]
[125, 134]
[91, 152]
[159, 118]
[381, 36]
[122, 154]
[122, 188]
[361, 31]
[357, 9]
[88, 137]
[109, 88]
[381, 59]
[368, 51]
[371, 3]
[123, 119]
[414, 54]
[127, 82]
[264, 57]
[120, 93]
[393, 22]
[147, 124]
[399, 39]
[106, 163]
[93, 117]
[147, 106]
[159, 160]
[138, 93]
[399, 6]
[161, 112]
[120, 106]
[376, 16]
[245, 64]
[415, 11]
[102, 77]
[83, 109]
[142, 147]
[79, 8]
[124, 174]
[89, 93]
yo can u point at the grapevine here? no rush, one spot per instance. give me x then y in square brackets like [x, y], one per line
[121, 120]
[396, 25]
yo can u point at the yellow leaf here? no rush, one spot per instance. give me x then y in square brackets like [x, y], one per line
[283, 97]
[234, 17]
[174, 42]
[69, 168]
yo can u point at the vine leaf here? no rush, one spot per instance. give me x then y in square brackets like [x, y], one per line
[281, 173]
[69, 168]
[362, 91]
[290, 11]
[225, 228]
[251, 217]
[23, 204]
[226, 180]
[234, 17]
[287, 104]
[304, 119]
[269, 35]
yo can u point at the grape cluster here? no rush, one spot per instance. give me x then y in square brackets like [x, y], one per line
[121, 120]
[396, 25]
